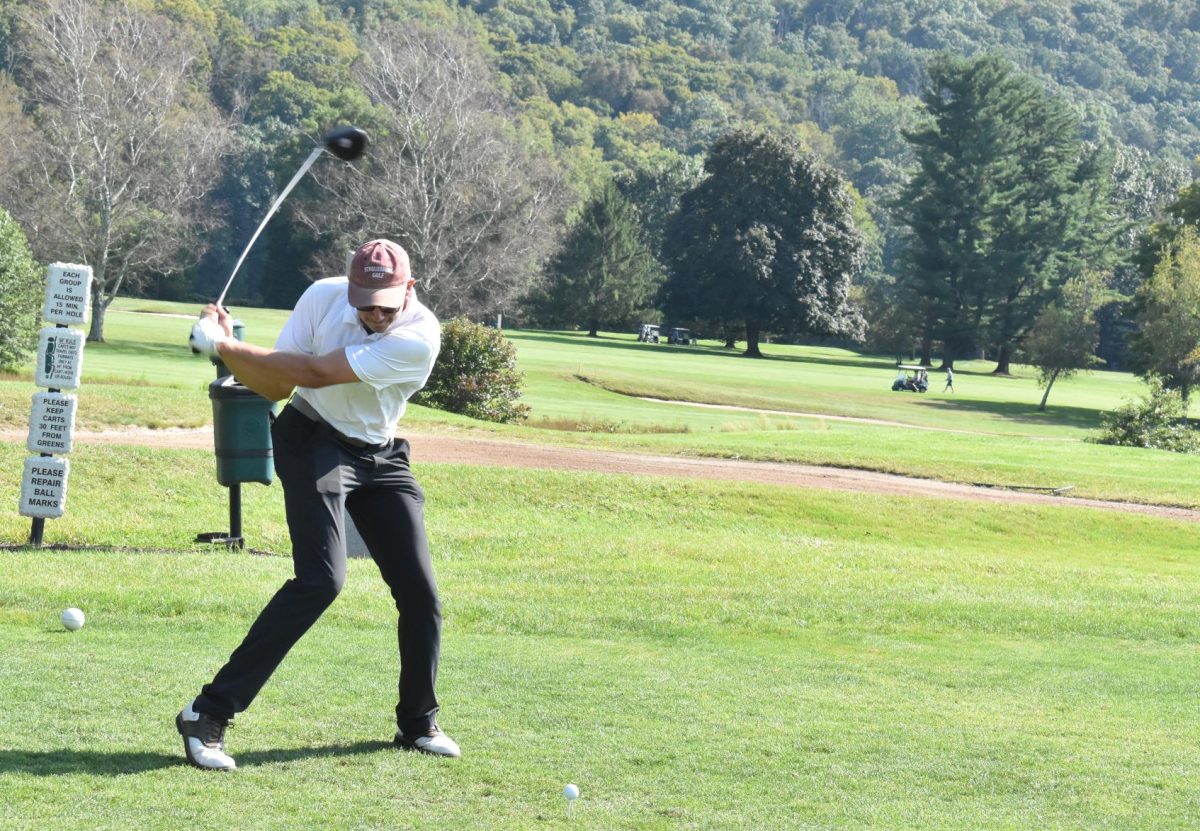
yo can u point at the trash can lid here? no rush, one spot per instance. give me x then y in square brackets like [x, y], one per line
[229, 387]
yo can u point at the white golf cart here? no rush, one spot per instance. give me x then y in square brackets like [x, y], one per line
[911, 378]
[648, 333]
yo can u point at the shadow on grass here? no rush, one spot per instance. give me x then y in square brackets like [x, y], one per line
[612, 342]
[67, 762]
[1019, 412]
[274, 756]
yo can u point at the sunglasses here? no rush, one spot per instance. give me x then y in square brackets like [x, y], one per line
[386, 311]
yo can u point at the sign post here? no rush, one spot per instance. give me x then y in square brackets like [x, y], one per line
[52, 417]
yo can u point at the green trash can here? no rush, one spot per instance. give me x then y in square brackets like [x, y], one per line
[241, 433]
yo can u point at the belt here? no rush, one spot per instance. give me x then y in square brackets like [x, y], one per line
[308, 411]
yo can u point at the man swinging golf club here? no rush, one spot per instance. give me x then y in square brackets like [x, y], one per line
[353, 351]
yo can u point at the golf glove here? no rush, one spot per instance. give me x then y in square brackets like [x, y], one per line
[206, 335]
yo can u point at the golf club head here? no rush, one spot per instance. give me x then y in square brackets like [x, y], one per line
[347, 143]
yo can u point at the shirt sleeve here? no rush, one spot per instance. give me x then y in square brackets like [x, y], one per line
[299, 330]
[397, 358]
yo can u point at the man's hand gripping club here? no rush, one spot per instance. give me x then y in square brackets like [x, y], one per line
[271, 373]
[212, 329]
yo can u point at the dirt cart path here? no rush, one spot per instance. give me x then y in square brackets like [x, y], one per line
[433, 447]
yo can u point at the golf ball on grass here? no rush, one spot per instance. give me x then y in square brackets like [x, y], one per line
[571, 792]
[72, 619]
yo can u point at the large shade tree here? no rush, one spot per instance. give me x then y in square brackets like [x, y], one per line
[766, 239]
[127, 144]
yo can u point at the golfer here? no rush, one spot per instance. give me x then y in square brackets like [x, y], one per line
[350, 355]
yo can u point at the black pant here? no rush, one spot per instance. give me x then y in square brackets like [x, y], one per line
[322, 477]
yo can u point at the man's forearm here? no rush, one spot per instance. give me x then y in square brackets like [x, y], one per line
[274, 374]
[265, 371]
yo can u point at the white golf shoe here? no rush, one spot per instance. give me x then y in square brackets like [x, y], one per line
[204, 739]
[435, 743]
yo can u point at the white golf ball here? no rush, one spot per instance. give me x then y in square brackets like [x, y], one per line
[72, 619]
[571, 792]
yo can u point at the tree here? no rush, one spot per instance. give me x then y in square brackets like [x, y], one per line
[1064, 338]
[286, 72]
[1166, 309]
[1006, 205]
[1182, 212]
[448, 176]
[21, 292]
[893, 320]
[127, 146]
[1142, 184]
[655, 190]
[767, 239]
[605, 271]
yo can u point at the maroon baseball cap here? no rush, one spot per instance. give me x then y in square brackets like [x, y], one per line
[379, 274]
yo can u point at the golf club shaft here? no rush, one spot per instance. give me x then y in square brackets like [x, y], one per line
[312, 157]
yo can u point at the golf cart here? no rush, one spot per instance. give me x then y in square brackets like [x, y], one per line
[648, 333]
[911, 378]
[683, 337]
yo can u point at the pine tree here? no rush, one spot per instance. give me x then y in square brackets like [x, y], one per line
[605, 273]
[1006, 206]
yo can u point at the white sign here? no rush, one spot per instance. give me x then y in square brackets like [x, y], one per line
[59, 358]
[68, 293]
[52, 423]
[44, 487]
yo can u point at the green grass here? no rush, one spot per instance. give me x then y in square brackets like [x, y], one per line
[589, 391]
[694, 656]
[797, 379]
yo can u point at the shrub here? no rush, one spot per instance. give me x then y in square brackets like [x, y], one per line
[475, 375]
[1157, 421]
[21, 290]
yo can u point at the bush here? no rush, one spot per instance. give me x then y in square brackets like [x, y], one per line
[1158, 421]
[476, 374]
[21, 292]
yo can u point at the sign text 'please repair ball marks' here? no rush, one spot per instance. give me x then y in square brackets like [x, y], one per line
[44, 487]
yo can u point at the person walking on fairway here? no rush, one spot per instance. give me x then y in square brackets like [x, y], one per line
[350, 355]
[949, 379]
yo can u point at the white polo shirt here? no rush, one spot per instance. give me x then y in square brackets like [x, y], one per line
[391, 365]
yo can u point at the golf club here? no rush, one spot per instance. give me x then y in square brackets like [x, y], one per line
[346, 143]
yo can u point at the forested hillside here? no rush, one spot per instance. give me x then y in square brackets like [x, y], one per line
[549, 100]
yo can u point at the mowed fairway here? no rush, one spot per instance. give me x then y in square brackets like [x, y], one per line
[694, 655]
[590, 391]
